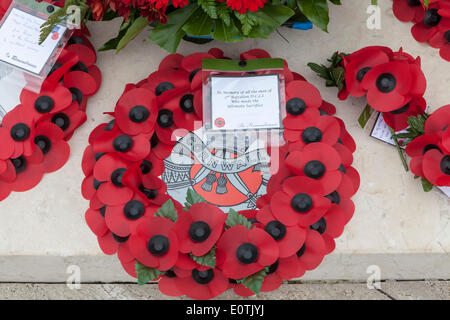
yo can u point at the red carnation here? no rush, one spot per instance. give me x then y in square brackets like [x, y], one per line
[199, 229]
[242, 6]
[155, 243]
[241, 252]
[318, 161]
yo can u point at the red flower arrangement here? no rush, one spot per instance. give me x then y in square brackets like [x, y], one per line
[34, 134]
[198, 250]
[394, 85]
[431, 22]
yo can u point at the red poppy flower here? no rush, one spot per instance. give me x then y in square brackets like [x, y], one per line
[109, 173]
[330, 226]
[391, 85]
[301, 202]
[7, 176]
[408, 10]
[167, 285]
[318, 161]
[424, 30]
[131, 148]
[111, 244]
[199, 229]
[67, 120]
[123, 219]
[398, 119]
[95, 220]
[184, 112]
[321, 129]
[46, 102]
[167, 79]
[359, 63]
[171, 61]
[438, 121]
[136, 111]
[289, 238]
[152, 165]
[241, 252]
[20, 124]
[303, 103]
[328, 108]
[160, 149]
[310, 256]
[202, 284]
[88, 160]
[155, 243]
[29, 171]
[436, 167]
[50, 139]
[441, 40]
[152, 188]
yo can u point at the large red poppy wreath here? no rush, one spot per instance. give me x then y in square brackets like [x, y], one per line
[431, 24]
[34, 135]
[196, 249]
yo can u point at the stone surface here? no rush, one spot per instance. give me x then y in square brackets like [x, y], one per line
[396, 225]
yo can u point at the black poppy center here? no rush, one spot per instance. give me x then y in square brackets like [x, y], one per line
[301, 251]
[146, 166]
[401, 110]
[77, 95]
[432, 18]
[302, 202]
[123, 143]
[139, 114]
[414, 3]
[203, 277]
[154, 141]
[295, 106]
[362, 73]
[163, 87]
[165, 118]
[20, 132]
[334, 197]
[342, 169]
[44, 104]
[102, 211]
[273, 267]
[276, 229]
[97, 183]
[149, 193]
[247, 253]
[43, 143]
[386, 82]
[80, 66]
[116, 177]
[158, 245]
[199, 231]
[76, 40]
[20, 164]
[445, 165]
[314, 169]
[311, 135]
[170, 274]
[429, 147]
[320, 226]
[134, 209]
[447, 35]
[120, 239]
[61, 120]
[187, 103]
[192, 74]
[109, 126]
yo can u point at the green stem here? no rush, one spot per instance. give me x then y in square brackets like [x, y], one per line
[400, 151]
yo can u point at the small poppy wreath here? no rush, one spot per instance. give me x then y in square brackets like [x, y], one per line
[431, 22]
[394, 84]
[196, 249]
[34, 135]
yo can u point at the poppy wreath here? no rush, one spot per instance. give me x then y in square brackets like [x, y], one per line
[431, 22]
[394, 84]
[195, 249]
[34, 135]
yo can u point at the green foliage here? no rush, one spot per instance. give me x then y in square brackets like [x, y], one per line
[334, 73]
[234, 218]
[167, 210]
[316, 11]
[416, 128]
[192, 197]
[254, 281]
[207, 260]
[146, 274]
[426, 185]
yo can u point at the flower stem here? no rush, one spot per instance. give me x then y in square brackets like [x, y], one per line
[400, 151]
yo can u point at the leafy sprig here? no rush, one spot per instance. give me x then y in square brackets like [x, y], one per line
[334, 73]
[167, 210]
[254, 281]
[234, 218]
[416, 128]
[207, 260]
[146, 274]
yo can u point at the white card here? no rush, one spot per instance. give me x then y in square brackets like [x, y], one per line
[19, 42]
[11, 85]
[242, 103]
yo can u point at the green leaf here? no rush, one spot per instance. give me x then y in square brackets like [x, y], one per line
[426, 3]
[167, 210]
[199, 24]
[254, 281]
[374, 2]
[146, 274]
[338, 2]
[136, 27]
[192, 197]
[269, 19]
[316, 11]
[234, 218]
[227, 33]
[426, 185]
[210, 7]
[248, 21]
[223, 13]
[365, 116]
[169, 35]
[338, 74]
[207, 260]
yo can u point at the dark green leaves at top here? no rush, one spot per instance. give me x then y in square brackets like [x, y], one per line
[146, 274]
[234, 218]
[254, 281]
[316, 11]
[135, 28]
[192, 197]
[207, 260]
[334, 74]
[167, 210]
